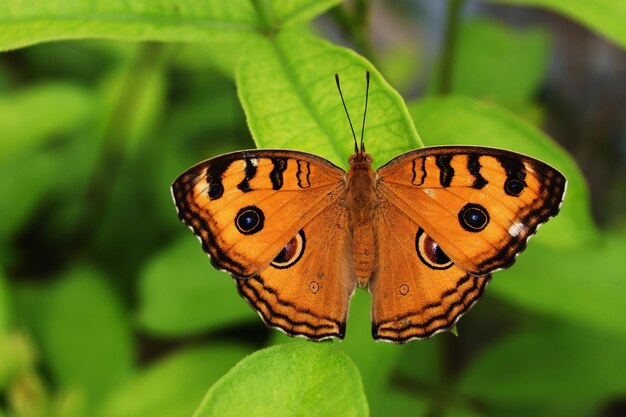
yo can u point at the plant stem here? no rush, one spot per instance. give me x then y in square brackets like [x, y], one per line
[453, 19]
[265, 22]
[355, 25]
[119, 125]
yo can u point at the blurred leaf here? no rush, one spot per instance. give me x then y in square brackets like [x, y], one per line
[584, 284]
[26, 23]
[82, 330]
[605, 17]
[302, 378]
[547, 367]
[287, 88]
[465, 121]
[498, 63]
[22, 194]
[402, 403]
[30, 121]
[40, 113]
[174, 386]
[181, 293]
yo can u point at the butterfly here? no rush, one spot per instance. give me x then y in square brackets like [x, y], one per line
[424, 232]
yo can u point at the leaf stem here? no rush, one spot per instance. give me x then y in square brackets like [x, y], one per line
[265, 21]
[453, 19]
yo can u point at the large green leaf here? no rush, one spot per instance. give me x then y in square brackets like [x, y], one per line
[301, 378]
[26, 22]
[287, 88]
[548, 367]
[83, 332]
[181, 293]
[466, 121]
[174, 386]
[606, 17]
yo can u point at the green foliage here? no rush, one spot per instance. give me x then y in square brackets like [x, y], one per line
[603, 16]
[180, 306]
[295, 378]
[173, 386]
[84, 335]
[33, 21]
[498, 64]
[108, 307]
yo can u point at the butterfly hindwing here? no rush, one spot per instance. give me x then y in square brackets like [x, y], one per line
[416, 289]
[306, 290]
[245, 206]
[481, 205]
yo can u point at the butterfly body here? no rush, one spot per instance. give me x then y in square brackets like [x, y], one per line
[424, 232]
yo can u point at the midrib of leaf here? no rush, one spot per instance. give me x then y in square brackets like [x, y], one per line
[299, 91]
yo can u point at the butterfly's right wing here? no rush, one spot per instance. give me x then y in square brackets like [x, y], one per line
[246, 206]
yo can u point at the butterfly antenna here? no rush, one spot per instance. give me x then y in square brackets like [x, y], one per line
[367, 90]
[356, 149]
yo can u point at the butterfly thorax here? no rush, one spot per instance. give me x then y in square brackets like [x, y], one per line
[362, 203]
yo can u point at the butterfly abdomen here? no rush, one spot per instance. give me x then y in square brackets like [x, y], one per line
[362, 202]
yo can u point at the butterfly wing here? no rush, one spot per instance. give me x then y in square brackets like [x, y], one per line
[416, 290]
[481, 205]
[245, 206]
[275, 221]
[306, 290]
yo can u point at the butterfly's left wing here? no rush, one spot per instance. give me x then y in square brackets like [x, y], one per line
[447, 218]
[480, 204]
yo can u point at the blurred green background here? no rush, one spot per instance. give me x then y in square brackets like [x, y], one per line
[108, 306]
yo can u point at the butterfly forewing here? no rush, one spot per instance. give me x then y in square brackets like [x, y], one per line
[246, 206]
[481, 205]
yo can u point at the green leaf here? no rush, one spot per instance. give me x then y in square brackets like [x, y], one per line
[40, 113]
[173, 387]
[181, 293]
[465, 121]
[584, 284]
[605, 17]
[28, 22]
[301, 378]
[499, 64]
[85, 338]
[548, 367]
[287, 88]
[30, 120]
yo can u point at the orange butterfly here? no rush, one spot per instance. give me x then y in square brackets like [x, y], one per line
[423, 232]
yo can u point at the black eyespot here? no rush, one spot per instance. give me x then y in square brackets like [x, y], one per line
[291, 253]
[215, 191]
[514, 187]
[249, 220]
[473, 217]
[430, 253]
